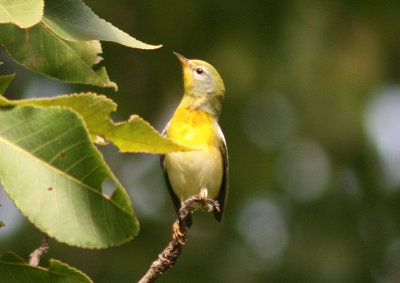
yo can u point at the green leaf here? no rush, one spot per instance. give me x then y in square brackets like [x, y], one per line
[5, 81]
[134, 135]
[2, 224]
[14, 269]
[54, 174]
[73, 20]
[21, 12]
[41, 50]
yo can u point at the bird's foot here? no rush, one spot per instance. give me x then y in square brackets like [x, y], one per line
[204, 201]
[203, 194]
[177, 234]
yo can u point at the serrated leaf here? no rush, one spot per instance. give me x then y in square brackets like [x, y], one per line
[14, 269]
[134, 135]
[5, 81]
[41, 50]
[21, 12]
[54, 174]
[73, 20]
[137, 135]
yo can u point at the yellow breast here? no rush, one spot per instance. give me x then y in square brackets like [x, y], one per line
[189, 172]
[192, 128]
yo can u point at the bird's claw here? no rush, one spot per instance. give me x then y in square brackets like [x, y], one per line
[215, 205]
[207, 204]
[177, 234]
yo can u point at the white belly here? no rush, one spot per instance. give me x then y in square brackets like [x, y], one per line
[189, 172]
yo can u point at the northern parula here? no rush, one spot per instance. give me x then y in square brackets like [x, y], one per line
[195, 124]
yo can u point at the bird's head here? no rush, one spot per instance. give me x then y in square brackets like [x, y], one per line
[203, 85]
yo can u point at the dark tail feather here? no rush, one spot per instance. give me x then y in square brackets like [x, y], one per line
[218, 215]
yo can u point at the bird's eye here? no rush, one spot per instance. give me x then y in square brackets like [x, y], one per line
[199, 71]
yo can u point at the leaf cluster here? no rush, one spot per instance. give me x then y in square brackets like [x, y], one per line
[49, 164]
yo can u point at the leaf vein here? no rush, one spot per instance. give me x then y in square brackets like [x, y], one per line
[57, 138]
[61, 173]
[67, 170]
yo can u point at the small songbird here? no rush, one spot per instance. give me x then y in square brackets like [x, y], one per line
[204, 171]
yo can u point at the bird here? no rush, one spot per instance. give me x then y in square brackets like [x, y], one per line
[205, 170]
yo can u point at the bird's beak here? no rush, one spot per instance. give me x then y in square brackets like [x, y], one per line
[184, 60]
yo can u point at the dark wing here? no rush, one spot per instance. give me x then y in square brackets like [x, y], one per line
[175, 199]
[223, 193]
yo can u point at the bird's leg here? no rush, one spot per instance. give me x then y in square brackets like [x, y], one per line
[203, 194]
[206, 203]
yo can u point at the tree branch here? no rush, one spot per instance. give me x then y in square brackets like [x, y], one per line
[168, 257]
[36, 255]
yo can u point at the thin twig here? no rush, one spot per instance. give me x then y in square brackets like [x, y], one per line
[36, 255]
[168, 257]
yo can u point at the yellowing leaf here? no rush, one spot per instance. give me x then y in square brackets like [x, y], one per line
[134, 135]
[23, 13]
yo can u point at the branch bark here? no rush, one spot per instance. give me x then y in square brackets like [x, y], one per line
[36, 255]
[168, 257]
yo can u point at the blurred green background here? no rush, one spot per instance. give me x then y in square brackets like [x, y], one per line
[312, 121]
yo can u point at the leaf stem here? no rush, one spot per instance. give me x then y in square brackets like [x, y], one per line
[36, 255]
